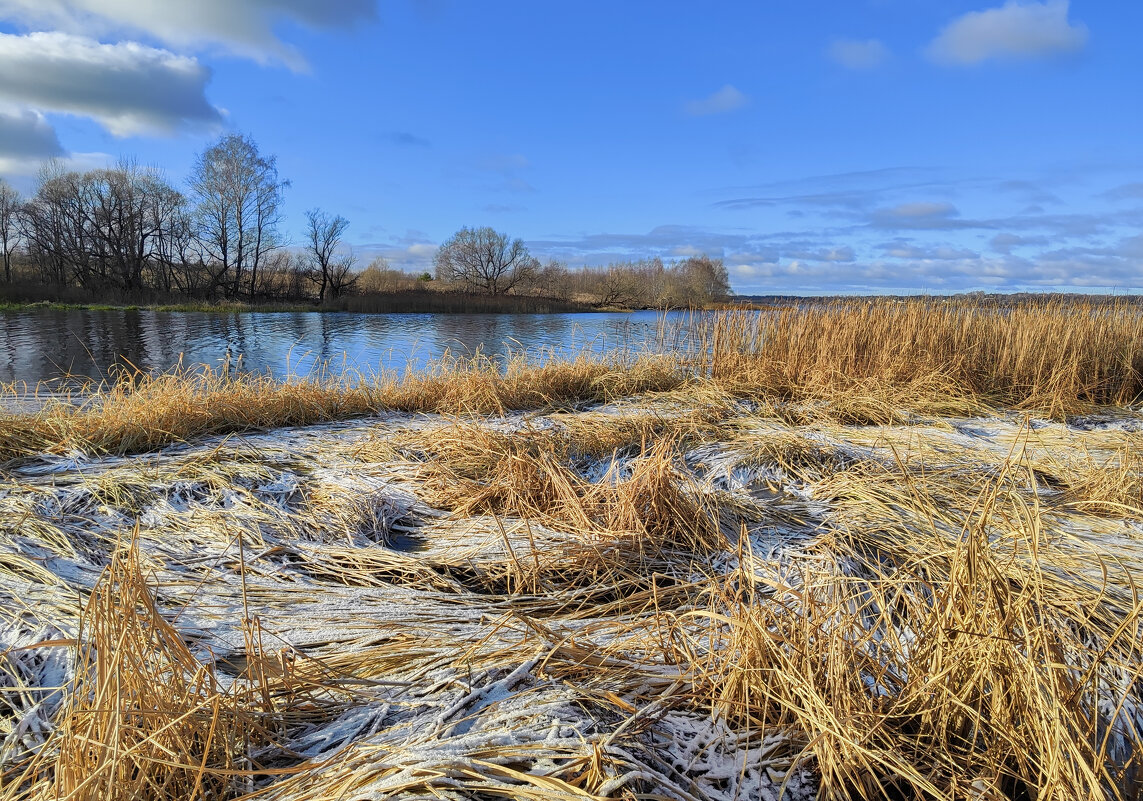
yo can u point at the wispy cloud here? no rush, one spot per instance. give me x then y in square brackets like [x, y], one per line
[859, 54]
[919, 215]
[725, 99]
[1132, 191]
[1016, 30]
[1005, 242]
[405, 139]
[839, 254]
[506, 168]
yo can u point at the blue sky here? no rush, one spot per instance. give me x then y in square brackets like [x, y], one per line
[817, 147]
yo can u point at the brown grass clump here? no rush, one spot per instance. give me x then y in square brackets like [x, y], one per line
[940, 653]
[143, 718]
[624, 525]
[588, 435]
[1057, 357]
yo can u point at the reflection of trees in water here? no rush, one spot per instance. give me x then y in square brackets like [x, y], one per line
[44, 345]
[498, 335]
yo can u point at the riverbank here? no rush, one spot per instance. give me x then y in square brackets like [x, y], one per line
[732, 572]
[408, 302]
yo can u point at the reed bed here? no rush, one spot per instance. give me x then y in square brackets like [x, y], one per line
[140, 412]
[1059, 357]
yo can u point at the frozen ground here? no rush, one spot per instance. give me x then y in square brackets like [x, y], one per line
[439, 674]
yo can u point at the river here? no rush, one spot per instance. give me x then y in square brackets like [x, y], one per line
[44, 345]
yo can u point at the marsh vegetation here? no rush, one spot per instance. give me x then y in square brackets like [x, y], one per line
[865, 550]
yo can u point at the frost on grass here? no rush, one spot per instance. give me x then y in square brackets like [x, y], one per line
[361, 642]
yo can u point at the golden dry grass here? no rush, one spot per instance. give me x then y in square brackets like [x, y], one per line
[940, 651]
[143, 718]
[142, 412]
[1056, 357]
[857, 362]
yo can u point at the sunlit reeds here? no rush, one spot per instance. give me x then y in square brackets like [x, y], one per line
[1056, 357]
[140, 412]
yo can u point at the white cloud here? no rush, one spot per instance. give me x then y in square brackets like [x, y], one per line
[858, 54]
[128, 88]
[1016, 30]
[843, 253]
[725, 99]
[402, 254]
[1005, 242]
[906, 250]
[240, 27]
[919, 215]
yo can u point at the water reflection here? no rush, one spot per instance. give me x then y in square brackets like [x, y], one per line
[44, 345]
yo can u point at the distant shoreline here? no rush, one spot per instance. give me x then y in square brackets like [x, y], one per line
[384, 304]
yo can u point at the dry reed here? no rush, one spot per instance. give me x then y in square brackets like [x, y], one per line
[141, 412]
[940, 652]
[1057, 357]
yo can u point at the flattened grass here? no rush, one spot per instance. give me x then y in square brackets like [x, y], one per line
[939, 651]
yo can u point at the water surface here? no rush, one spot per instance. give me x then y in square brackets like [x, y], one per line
[44, 345]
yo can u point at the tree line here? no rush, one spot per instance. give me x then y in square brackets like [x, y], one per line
[127, 232]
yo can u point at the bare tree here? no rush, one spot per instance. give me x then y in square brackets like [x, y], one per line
[120, 228]
[324, 241]
[379, 276]
[238, 192]
[702, 280]
[9, 225]
[485, 260]
[342, 278]
[552, 280]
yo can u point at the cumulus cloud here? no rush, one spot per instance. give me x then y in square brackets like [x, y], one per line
[725, 99]
[931, 245]
[1016, 30]
[412, 252]
[128, 88]
[240, 27]
[858, 54]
